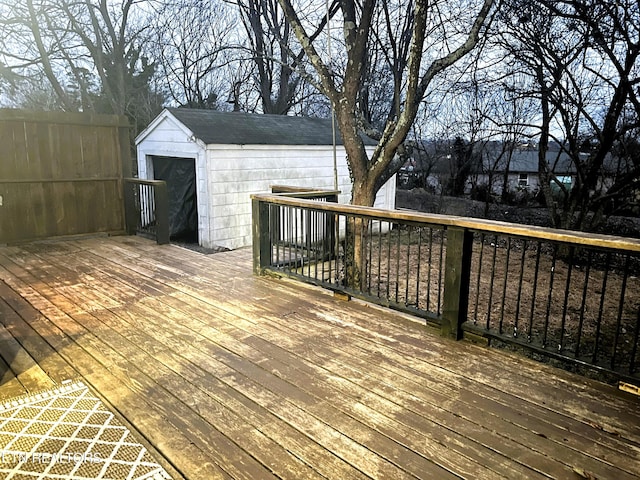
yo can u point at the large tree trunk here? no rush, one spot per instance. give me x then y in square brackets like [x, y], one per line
[364, 193]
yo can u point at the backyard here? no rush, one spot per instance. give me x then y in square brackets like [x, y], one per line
[530, 214]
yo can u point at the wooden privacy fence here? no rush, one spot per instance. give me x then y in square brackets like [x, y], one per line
[61, 174]
[566, 295]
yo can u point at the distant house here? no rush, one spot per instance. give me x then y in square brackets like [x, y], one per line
[522, 169]
[213, 161]
[433, 165]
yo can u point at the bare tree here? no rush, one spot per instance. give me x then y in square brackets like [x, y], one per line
[435, 43]
[583, 59]
[440, 35]
[277, 60]
[29, 51]
[511, 115]
[381, 92]
[269, 37]
[89, 51]
[193, 44]
[507, 116]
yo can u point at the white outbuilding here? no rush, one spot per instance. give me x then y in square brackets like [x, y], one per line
[213, 161]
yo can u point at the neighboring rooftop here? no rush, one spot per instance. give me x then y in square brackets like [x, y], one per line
[526, 161]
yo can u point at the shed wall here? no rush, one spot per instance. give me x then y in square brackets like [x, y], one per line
[237, 171]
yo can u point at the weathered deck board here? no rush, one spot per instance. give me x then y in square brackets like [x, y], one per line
[232, 376]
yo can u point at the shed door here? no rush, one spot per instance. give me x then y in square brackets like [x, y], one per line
[180, 175]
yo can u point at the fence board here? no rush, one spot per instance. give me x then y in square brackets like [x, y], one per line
[61, 174]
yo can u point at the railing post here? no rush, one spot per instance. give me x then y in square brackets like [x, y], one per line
[161, 201]
[332, 222]
[456, 281]
[131, 213]
[261, 244]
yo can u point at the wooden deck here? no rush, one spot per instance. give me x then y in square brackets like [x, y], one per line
[227, 375]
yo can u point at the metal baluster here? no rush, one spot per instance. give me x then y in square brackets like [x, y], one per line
[636, 338]
[418, 267]
[549, 296]
[307, 236]
[430, 268]
[585, 290]
[363, 265]
[379, 257]
[623, 291]
[504, 287]
[475, 315]
[520, 280]
[397, 263]
[369, 255]
[601, 309]
[389, 258]
[441, 272]
[566, 299]
[493, 275]
[324, 236]
[277, 234]
[535, 291]
[408, 269]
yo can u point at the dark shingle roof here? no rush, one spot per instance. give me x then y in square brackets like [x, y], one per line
[526, 161]
[240, 128]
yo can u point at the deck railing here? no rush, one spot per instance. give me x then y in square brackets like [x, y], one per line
[566, 295]
[305, 237]
[147, 208]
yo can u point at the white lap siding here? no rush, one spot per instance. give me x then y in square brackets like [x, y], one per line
[237, 171]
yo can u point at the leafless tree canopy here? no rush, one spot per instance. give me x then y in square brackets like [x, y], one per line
[489, 76]
[89, 54]
[580, 59]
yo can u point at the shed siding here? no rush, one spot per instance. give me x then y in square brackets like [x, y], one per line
[237, 171]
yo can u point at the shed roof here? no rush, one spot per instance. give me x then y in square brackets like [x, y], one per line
[240, 128]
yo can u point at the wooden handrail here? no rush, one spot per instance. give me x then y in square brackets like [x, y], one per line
[478, 224]
[302, 192]
[292, 189]
[143, 181]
